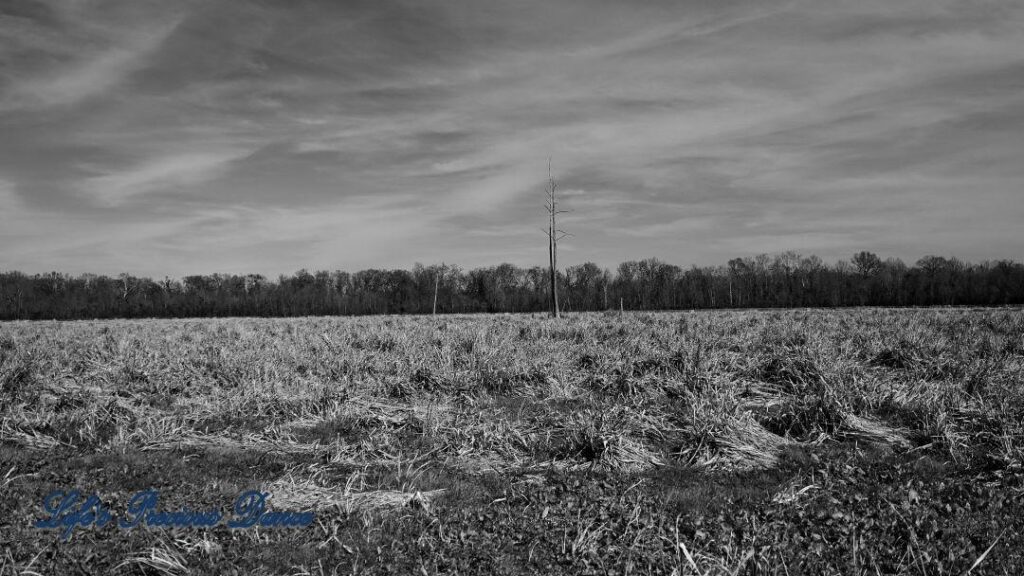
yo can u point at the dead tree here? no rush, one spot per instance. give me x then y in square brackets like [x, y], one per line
[554, 235]
[437, 284]
[127, 286]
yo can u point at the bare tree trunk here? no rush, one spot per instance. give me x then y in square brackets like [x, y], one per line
[554, 235]
[552, 256]
[437, 282]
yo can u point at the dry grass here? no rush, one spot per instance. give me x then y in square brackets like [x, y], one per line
[515, 396]
[626, 388]
[311, 489]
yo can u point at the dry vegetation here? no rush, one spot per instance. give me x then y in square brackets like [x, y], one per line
[760, 442]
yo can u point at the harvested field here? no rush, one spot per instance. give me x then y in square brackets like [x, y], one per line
[867, 441]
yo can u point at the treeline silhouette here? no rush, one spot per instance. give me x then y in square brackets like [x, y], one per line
[781, 280]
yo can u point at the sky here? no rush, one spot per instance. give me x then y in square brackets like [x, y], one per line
[165, 138]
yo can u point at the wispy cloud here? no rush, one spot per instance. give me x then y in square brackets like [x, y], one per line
[92, 61]
[10, 202]
[378, 133]
[168, 173]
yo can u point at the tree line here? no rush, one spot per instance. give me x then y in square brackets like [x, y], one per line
[765, 281]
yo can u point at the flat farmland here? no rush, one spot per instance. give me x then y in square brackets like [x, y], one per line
[855, 441]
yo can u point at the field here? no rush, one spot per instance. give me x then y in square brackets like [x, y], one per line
[864, 441]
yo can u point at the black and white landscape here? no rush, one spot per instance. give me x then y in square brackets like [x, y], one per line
[479, 287]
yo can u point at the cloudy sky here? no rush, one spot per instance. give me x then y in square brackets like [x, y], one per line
[174, 137]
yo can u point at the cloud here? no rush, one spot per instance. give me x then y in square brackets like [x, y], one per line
[85, 79]
[103, 60]
[11, 203]
[175, 170]
[691, 131]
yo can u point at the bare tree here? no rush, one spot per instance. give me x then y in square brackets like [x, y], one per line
[554, 235]
[437, 284]
[128, 285]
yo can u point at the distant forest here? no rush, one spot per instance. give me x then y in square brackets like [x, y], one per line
[782, 280]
